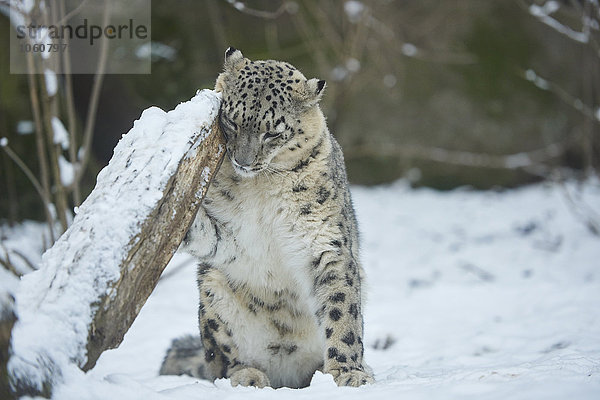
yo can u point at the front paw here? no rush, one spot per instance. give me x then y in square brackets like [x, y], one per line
[352, 378]
[250, 377]
[201, 239]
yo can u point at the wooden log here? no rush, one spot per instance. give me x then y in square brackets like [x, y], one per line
[151, 250]
[96, 278]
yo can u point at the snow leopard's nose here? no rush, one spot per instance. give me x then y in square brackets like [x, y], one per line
[245, 156]
[243, 161]
[247, 171]
[245, 165]
[238, 165]
[245, 148]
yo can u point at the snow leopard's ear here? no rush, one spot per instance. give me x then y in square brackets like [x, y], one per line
[234, 60]
[309, 92]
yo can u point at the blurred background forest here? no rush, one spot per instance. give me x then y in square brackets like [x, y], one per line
[444, 93]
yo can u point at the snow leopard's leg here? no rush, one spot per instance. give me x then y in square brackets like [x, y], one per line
[337, 284]
[204, 236]
[210, 240]
[221, 353]
[185, 357]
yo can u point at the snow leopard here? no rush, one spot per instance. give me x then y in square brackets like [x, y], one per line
[276, 239]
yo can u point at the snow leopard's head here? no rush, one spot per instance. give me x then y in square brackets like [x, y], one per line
[263, 110]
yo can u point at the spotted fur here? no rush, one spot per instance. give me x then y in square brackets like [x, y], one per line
[279, 277]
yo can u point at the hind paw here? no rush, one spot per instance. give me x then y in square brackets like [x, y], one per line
[250, 377]
[352, 378]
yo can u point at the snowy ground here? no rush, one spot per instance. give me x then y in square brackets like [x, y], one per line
[472, 295]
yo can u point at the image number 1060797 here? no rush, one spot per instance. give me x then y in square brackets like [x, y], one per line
[43, 47]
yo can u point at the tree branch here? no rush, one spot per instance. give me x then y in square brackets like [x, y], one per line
[71, 118]
[36, 184]
[463, 158]
[39, 139]
[88, 131]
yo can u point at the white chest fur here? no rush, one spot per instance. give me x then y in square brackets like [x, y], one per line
[269, 250]
[271, 259]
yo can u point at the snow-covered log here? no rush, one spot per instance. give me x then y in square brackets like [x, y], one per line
[93, 282]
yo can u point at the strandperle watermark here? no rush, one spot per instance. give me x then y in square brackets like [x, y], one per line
[84, 34]
[37, 33]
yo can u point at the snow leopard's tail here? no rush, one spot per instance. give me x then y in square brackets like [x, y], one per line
[185, 357]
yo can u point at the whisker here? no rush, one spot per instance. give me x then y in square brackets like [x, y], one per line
[277, 168]
[269, 175]
[277, 172]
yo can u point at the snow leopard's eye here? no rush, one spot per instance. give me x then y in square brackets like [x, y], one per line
[271, 135]
[227, 125]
